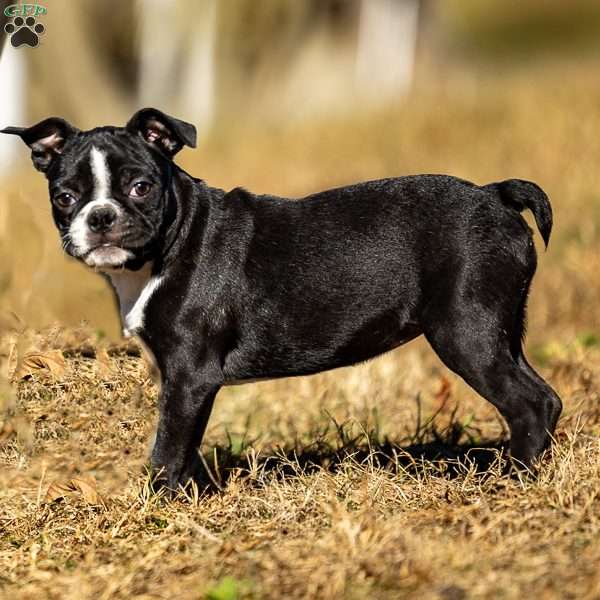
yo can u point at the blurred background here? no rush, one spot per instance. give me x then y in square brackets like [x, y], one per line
[294, 96]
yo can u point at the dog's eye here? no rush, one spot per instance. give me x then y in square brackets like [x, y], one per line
[140, 189]
[65, 200]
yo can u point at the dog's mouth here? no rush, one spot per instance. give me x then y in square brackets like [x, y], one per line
[107, 256]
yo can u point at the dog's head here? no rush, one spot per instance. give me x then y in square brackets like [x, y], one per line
[108, 185]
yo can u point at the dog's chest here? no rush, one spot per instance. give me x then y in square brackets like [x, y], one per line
[134, 289]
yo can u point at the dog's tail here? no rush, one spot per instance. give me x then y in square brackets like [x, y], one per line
[520, 194]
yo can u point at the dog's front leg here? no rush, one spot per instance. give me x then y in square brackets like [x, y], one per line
[184, 411]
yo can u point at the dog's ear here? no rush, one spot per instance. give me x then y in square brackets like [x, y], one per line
[46, 139]
[167, 133]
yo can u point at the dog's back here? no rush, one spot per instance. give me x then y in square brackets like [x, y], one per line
[351, 272]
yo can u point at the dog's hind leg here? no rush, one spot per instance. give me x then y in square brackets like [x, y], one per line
[478, 343]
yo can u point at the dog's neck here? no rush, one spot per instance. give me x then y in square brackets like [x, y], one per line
[185, 198]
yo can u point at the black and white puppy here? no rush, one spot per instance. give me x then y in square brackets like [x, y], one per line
[227, 287]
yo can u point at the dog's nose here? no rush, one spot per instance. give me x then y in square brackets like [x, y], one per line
[102, 219]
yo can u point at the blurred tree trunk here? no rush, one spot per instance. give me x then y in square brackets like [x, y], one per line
[178, 74]
[71, 75]
[12, 97]
[3, 20]
[386, 47]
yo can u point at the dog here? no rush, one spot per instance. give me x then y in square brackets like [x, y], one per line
[232, 287]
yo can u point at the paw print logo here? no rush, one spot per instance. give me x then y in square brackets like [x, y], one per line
[24, 31]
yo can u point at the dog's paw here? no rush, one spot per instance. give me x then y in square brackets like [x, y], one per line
[24, 32]
[172, 478]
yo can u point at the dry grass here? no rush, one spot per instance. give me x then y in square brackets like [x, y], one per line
[381, 481]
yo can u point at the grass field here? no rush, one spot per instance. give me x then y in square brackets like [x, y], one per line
[380, 481]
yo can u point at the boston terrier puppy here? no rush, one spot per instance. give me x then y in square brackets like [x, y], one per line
[231, 287]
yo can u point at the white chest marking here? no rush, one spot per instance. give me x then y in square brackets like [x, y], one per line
[134, 289]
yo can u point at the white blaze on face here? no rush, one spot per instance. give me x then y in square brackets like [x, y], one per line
[106, 256]
[101, 174]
